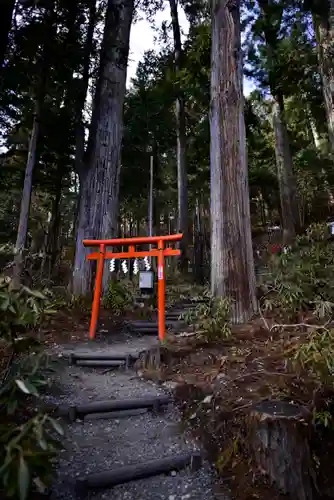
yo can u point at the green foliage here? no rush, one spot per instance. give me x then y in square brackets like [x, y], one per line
[316, 232]
[117, 298]
[22, 307]
[213, 319]
[317, 355]
[300, 280]
[26, 376]
[26, 455]
[323, 418]
[28, 438]
[80, 303]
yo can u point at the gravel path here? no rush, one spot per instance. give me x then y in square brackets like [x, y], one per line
[98, 444]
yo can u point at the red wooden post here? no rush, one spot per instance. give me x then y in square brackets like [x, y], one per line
[97, 292]
[161, 292]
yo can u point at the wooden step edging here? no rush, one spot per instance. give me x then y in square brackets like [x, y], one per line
[103, 360]
[80, 411]
[127, 473]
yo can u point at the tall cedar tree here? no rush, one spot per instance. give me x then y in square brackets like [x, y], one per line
[99, 181]
[232, 264]
[182, 185]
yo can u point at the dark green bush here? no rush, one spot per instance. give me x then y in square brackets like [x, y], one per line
[117, 298]
[212, 319]
[300, 280]
[28, 438]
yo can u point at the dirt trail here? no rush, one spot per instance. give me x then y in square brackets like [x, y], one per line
[98, 444]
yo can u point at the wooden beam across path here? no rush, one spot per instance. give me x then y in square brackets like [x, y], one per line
[127, 473]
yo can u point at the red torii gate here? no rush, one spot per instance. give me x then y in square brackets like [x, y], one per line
[161, 252]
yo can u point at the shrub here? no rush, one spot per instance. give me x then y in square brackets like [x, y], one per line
[300, 280]
[80, 303]
[118, 297]
[316, 355]
[213, 319]
[26, 453]
[28, 438]
[22, 308]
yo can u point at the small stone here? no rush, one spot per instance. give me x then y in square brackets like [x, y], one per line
[171, 497]
[208, 399]
[170, 385]
[173, 473]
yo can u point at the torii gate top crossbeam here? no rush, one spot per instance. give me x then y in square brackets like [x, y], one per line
[133, 241]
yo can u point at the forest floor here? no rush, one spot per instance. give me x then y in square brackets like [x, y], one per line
[214, 385]
[97, 444]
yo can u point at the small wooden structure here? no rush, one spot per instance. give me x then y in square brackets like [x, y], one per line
[161, 251]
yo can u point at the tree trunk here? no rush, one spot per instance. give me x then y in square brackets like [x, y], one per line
[98, 214]
[182, 183]
[52, 244]
[82, 93]
[82, 210]
[7, 9]
[32, 153]
[26, 199]
[314, 130]
[232, 263]
[279, 443]
[324, 29]
[287, 184]
[198, 245]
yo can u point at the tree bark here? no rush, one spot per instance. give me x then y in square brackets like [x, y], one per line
[98, 213]
[324, 29]
[52, 243]
[81, 218]
[32, 152]
[287, 184]
[26, 199]
[232, 263]
[198, 245]
[182, 182]
[7, 9]
[279, 443]
[82, 93]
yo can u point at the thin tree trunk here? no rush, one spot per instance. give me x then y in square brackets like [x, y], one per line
[157, 189]
[98, 215]
[81, 99]
[182, 183]
[32, 154]
[314, 130]
[232, 263]
[52, 244]
[286, 179]
[6, 9]
[82, 269]
[324, 29]
[26, 199]
[198, 245]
